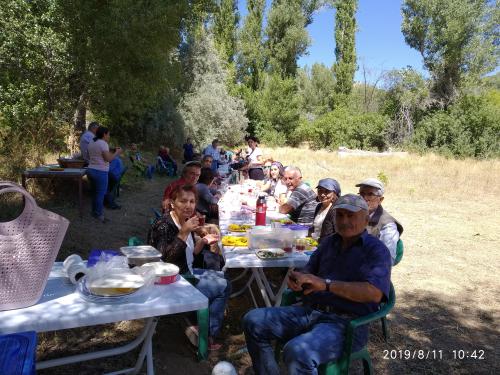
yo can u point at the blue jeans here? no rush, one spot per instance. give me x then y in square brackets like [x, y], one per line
[150, 169]
[100, 182]
[217, 289]
[312, 338]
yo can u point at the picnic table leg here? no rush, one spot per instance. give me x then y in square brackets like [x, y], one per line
[202, 334]
[262, 287]
[23, 179]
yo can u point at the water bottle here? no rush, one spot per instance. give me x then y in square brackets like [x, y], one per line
[260, 211]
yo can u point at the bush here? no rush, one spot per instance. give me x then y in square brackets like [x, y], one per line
[469, 128]
[343, 128]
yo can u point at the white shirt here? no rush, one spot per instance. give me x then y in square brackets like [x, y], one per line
[85, 139]
[254, 155]
[279, 189]
[189, 246]
[318, 221]
[389, 235]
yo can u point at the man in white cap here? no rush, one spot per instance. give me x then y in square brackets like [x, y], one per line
[381, 225]
[347, 277]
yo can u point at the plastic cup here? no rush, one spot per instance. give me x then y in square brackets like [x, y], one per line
[201, 220]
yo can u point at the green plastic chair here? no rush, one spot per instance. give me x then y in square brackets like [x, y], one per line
[399, 256]
[399, 251]
[341, 365]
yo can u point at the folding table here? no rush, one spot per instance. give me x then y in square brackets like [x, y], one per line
[61, 307]
[244, 258]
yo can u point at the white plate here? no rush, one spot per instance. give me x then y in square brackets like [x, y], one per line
[271, 253]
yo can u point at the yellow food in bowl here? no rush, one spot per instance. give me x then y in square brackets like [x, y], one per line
[239, 227]
[235, 241]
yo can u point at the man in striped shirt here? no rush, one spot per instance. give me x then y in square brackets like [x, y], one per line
[302, 203]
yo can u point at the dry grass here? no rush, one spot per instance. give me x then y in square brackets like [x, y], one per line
[446, 284]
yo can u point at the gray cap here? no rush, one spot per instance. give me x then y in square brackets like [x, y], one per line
[351, 202]
[373, 182]
[329, 184]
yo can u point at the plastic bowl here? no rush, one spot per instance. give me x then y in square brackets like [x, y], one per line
[166, 273]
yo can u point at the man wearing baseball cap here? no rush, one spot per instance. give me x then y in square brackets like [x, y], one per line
[348, 276]
[328, 193]
[381, 225]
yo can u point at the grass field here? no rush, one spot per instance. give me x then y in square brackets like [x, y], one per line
[446, 285]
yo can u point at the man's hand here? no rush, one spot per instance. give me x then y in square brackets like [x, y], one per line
[309, 283]
[293, 281]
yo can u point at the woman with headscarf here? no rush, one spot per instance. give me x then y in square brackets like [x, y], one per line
[274, 185]
[328, 193]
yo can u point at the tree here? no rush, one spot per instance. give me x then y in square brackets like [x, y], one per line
[250, 61]
[226, 20]
[207, 108]
[345, 47]
[315, 86]
[458, 41]
[287, 38]
[406, 100]
[34, 72]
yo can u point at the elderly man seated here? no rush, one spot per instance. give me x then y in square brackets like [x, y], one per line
[381, 225]
[301, 204]
[190, 175]
[348, 276]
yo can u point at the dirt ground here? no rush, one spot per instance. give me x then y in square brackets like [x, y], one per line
[446, 287]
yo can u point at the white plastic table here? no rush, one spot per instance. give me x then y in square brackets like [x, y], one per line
[244, 258]
[61, 307]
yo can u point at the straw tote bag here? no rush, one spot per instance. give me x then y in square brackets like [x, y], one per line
[28, 248]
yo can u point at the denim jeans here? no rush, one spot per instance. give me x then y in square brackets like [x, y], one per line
[217, 289]
[100, 183]
[312, 338]
[150, 169]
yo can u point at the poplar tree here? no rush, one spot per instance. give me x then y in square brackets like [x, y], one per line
[345, 48]
[251, 53]
[225, 25]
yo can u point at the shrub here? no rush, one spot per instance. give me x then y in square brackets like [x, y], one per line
[469, 128]
[343, 128]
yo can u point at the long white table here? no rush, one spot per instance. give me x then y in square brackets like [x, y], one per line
[244, 258]
[61, 307]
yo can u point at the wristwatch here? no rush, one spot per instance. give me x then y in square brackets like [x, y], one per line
[327, 285]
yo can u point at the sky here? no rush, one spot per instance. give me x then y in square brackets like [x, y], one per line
[380, 45]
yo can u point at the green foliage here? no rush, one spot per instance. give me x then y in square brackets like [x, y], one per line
[207, 108]
[345, 47]
[34, 102]
[406, 98]
[469, 128]
[226, 20]
[458, 40]
[287, 38]
[250, 59]
[277, 107]
[315, 86]
[341, 127]
[383, 177]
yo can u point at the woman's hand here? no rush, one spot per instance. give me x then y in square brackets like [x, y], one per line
[190, 225]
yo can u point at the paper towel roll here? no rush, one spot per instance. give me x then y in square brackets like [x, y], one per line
[76, 271]
[72, 259]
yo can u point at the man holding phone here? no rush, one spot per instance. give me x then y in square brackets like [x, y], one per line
[348, 276]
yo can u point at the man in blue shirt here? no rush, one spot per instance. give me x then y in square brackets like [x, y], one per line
[347, 277]
[213, 151]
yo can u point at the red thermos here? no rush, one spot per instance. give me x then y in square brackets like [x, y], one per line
[260, 211]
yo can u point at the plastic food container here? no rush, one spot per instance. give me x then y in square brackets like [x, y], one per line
[116, 285]
[166, 273]
[268, 238]
[299, 231]
[139, 255]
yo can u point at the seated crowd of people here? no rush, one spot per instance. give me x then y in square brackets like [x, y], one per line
[348, 276]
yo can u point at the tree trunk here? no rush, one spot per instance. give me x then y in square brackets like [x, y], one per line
[80, 115]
